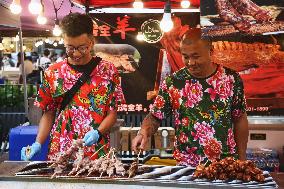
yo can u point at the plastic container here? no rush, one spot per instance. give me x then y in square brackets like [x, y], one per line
[22, 136]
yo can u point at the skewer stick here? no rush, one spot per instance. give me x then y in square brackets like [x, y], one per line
[98, 150]
[206, 162]
[139, 153]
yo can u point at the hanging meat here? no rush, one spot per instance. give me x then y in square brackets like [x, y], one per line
[247, 7]
[229, 14]
[235, 12]
[230, 168]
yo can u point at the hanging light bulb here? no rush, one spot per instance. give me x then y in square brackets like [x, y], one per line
[37, 44]
[166, 23]
[15, 7]
[55, 44]
[12, 46]
[24, 47]
[46, 40]
[138, 4]
[61, 41]
[17, 38]
[57, 30]
[140, 36]
[1, 47]
[41, 19]
[35, 6]
[185, 4]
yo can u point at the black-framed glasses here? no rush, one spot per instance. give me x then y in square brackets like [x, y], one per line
[71, 49]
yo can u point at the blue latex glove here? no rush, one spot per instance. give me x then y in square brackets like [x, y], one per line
[91, 137]
[34, 149]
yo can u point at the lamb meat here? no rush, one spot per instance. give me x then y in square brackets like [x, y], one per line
[133, 168]
[228, 13]
[248, 7]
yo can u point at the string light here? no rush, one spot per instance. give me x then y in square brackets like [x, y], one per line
[185, 4]
[35, 7]
[138, 4]
[57, 30]
[1, 47]
[166, 23]
[15, 7]
[41, 19]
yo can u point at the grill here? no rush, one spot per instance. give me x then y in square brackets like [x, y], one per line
[146, 173]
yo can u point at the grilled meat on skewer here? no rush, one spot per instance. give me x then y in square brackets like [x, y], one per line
[230, 168]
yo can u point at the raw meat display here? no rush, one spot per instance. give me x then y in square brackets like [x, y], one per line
[247, 7]
[231, 15]
[107, 165]
[233, 11]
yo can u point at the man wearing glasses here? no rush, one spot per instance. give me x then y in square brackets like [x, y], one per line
[92, 111]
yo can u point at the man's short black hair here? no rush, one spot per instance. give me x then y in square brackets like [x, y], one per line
[46, 52]
[76, 24]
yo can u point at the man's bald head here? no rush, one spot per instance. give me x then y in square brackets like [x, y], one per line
[193, 35]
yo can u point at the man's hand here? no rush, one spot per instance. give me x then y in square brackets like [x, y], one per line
[91, 137]
[28, 153]
[139, 142]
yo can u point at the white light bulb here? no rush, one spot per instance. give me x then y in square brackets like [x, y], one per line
[138, 4]
[12, 46]
[35, 7]
[55, 44]
[1, 47]
[57, 31]
[41, 19]
[46, 40]
[36, 44]
[15, 8]
[185, 4]
[166, 23]
[17, 38]
[140, 36]
[61, 41]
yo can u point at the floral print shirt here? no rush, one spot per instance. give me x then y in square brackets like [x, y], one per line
[88, 108]
[203, 111]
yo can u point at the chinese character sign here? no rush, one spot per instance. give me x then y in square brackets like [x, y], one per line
[122, 27]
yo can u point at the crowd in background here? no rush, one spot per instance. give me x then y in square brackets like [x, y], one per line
[34, 63]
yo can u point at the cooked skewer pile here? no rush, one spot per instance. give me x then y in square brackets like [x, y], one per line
[229, 168]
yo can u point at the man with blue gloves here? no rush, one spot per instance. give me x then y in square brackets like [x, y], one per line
[79, 96]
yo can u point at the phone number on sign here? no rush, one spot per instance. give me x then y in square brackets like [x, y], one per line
[259, 109]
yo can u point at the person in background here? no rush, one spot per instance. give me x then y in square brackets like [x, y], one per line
[9, 61]
[92, 111]
[45, 61]
[61, 57]
[27, 64]
[207, 103]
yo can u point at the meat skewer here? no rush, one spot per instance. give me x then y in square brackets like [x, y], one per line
[134, 166]
[229, 168]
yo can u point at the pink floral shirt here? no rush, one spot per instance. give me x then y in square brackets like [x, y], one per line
[204, 111]
[88, 108]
